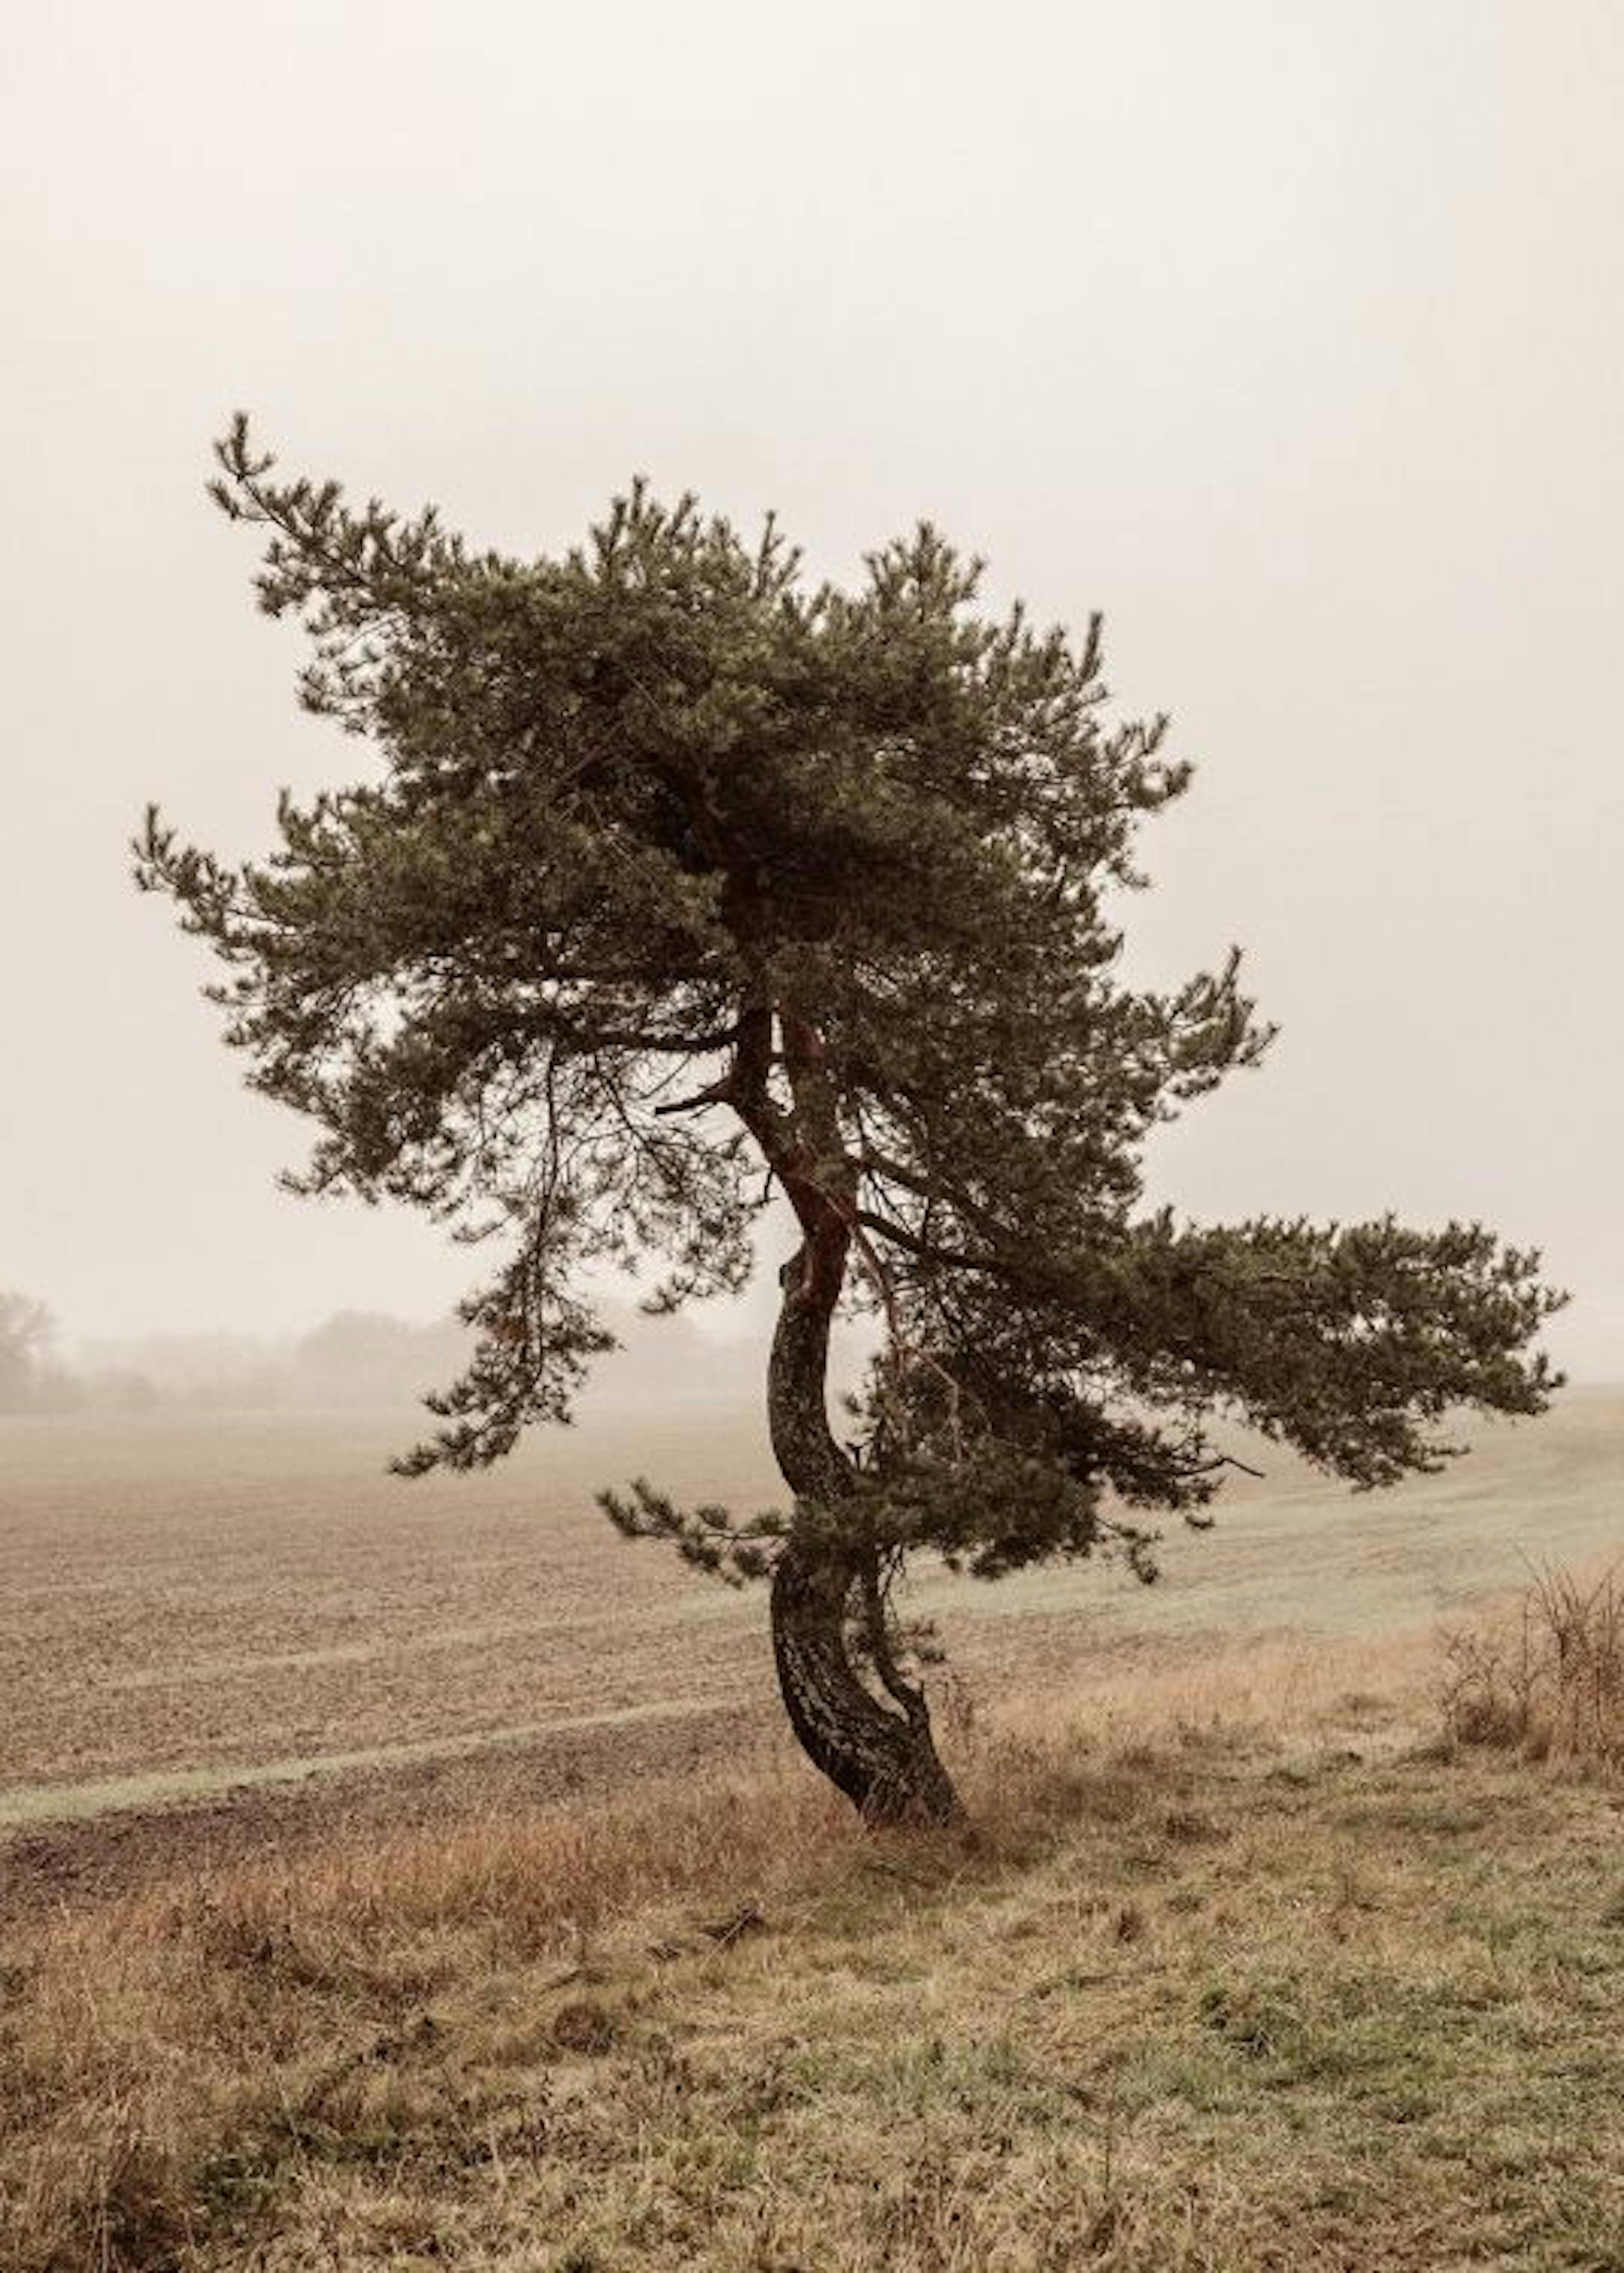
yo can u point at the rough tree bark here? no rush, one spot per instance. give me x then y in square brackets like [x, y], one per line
[882, 1756]
[826, 1582]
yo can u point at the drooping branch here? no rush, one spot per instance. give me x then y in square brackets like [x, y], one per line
[708, 1537]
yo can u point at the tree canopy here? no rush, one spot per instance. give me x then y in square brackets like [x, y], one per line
[684, 879]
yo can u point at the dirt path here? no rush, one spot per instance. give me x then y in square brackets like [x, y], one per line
[28, 1806]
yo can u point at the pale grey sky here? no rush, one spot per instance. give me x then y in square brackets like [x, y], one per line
[1287, 332]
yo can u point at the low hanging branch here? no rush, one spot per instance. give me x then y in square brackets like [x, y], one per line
[707, 1537]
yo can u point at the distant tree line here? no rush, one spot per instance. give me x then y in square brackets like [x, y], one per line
[353, 1359]
[26, 1333]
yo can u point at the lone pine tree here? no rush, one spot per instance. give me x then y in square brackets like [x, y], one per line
[681, 881]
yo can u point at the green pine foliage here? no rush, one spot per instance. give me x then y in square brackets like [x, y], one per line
[680, 878]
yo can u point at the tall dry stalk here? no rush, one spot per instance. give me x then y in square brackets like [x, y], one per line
[1546, 1679]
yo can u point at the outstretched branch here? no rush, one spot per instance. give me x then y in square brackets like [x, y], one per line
[708, 1537]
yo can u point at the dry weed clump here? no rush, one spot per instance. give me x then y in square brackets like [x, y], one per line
[1545, 1676]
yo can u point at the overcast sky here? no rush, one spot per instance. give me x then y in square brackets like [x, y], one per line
[1286, 331]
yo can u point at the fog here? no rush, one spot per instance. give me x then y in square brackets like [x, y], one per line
[366, 1360]
[1288, 334]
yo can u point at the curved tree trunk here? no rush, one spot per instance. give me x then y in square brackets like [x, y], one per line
[881, 1756]
[886, 1762]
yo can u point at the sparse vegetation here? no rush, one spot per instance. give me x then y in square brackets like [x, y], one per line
[1222, 1982]
[1546, 1674]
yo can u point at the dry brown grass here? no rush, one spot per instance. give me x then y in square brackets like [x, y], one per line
[1223, 1979]
[140, 2040]
[144, 2044]
[1544, 1673]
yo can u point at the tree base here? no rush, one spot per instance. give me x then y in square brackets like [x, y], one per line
[885, 1761]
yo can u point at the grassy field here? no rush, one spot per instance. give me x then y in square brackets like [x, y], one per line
[494, 1932]
[1235, 1974]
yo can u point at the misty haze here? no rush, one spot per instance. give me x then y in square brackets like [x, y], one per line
[811, 1301]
